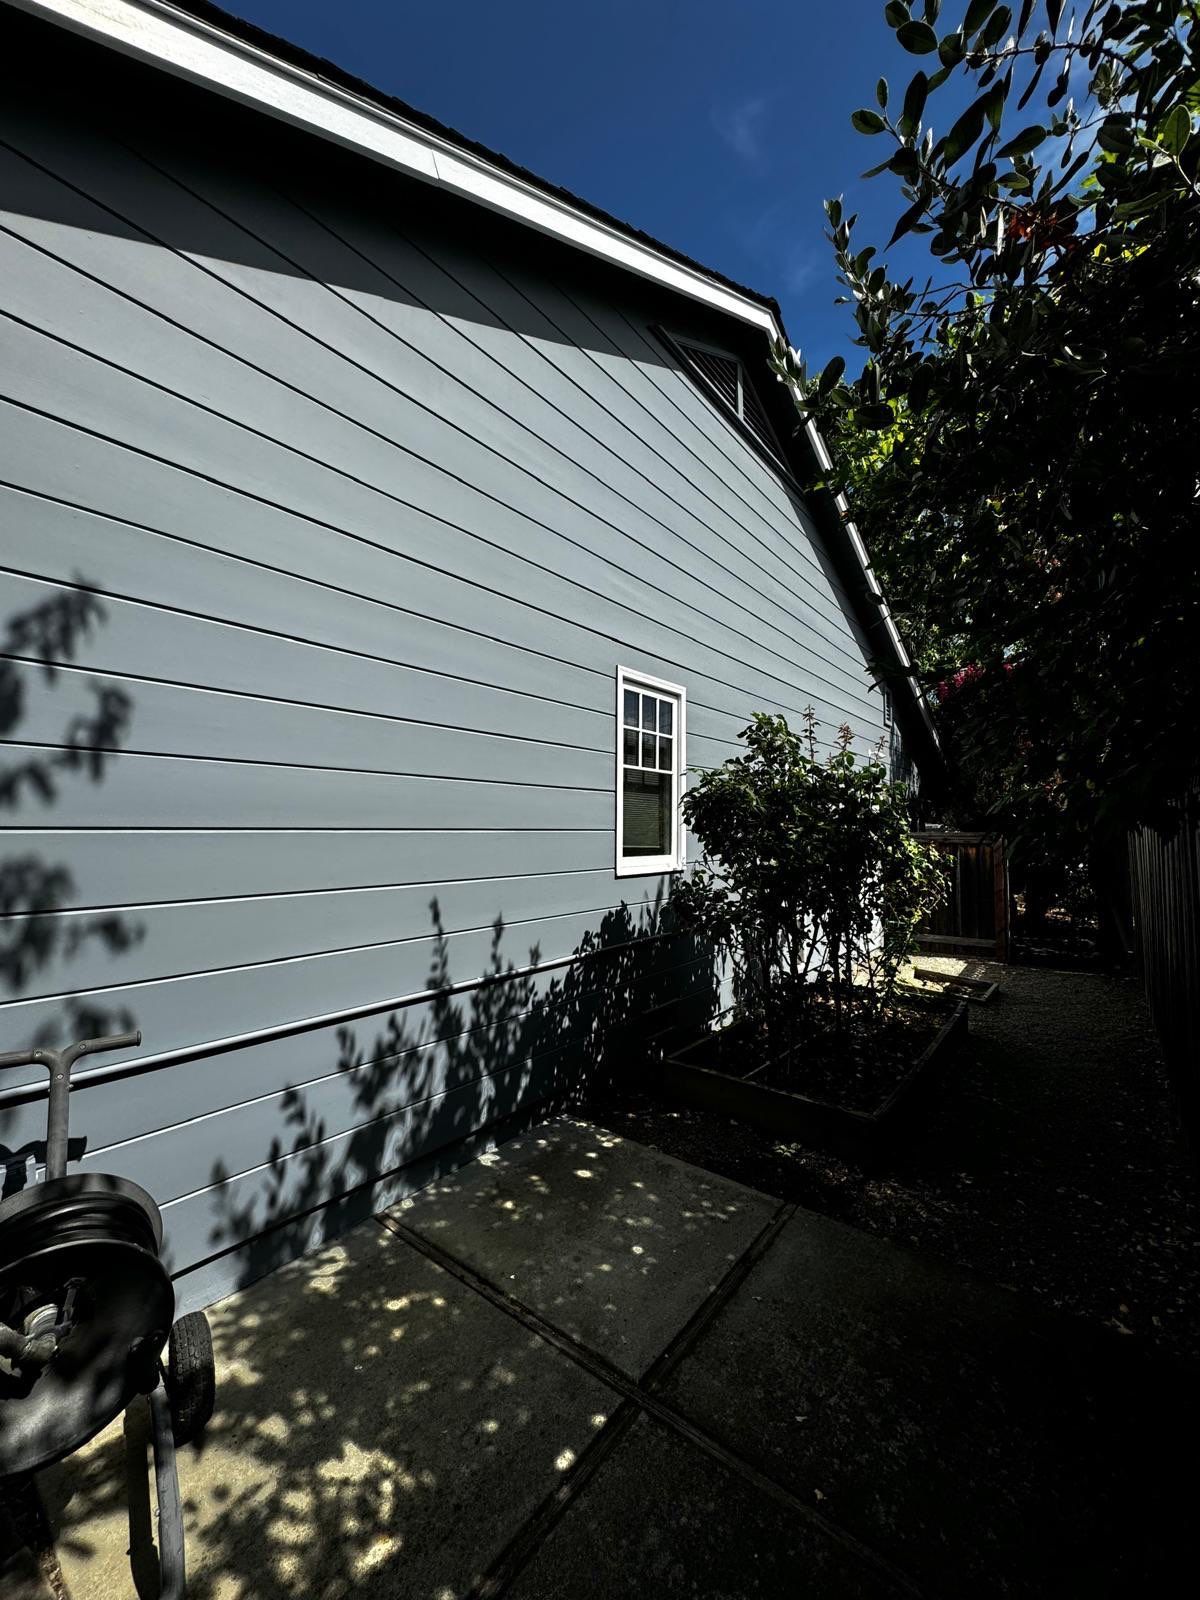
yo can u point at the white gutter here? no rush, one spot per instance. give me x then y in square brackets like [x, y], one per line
[156, 32]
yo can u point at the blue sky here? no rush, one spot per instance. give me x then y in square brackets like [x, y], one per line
[717, 127]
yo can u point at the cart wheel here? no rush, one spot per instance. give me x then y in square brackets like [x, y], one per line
[191, 1376]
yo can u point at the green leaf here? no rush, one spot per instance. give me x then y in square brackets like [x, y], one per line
[963, 134]
[906, 222]
[881, 93]
[904, 164]
[997, 27]
[1028, 139]
[833, 210]
[833, 371]
[914, 98]
[1175, 130]
[1054, 13]
[977, 14]
[1115, 137]
[951, 50]
[868, 121]
[874, 416]
[993, 101]
[895, 14]
[918, 38]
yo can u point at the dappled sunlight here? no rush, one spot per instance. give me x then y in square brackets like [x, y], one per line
[610, 1241]
[376, 1418]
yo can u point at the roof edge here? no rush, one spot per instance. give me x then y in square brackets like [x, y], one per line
[233, 65]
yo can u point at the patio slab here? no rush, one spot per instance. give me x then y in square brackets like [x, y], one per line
[702, 1531]
[845, 1419]
[615, 1244]
[380, 1428]
[980, 1445]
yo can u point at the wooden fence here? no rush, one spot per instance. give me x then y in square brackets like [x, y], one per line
[1164, 871]
[973, 920]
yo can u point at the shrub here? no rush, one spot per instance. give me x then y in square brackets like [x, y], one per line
[812, 883]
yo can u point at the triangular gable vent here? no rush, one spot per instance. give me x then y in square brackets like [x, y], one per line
[723, 373]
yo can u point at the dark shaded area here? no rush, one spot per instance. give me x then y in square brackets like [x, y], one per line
[1165, 872]
[1049, 1162]
[980, 1445]
[583, 1367]
[35, 890]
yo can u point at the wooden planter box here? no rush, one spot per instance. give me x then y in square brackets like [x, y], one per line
[860, 1137]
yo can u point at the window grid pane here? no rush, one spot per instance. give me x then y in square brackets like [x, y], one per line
[650, 776]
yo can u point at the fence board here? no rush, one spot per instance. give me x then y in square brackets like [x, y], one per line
[973, 919]
[1165, 878]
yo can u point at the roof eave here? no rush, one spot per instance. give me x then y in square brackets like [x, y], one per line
[189, 47]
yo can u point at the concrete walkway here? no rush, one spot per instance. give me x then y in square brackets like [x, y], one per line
[580, 1367]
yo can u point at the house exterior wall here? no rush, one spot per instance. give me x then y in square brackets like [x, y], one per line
[329, 515]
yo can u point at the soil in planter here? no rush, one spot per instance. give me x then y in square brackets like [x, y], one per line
[857, 1067]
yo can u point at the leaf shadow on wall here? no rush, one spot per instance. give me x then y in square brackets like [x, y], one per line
[41, 928]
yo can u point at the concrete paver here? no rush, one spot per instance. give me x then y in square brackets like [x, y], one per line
[613, 1243]
[703, 1531]
[854, 1420]
[984, 1447]
[380, 1428]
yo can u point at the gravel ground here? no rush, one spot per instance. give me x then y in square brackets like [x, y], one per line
[1051, 1163]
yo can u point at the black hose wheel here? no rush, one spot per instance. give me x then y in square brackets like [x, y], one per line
[191, 1376]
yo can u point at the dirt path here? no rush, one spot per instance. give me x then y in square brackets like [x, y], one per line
[1050, 1165]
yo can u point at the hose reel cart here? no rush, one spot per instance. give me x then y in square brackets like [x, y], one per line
[86, 1309]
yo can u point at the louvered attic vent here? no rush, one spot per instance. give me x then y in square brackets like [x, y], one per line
[723, 374]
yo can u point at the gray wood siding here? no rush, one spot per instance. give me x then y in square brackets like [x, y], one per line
[325, 527]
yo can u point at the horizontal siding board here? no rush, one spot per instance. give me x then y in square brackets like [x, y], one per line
[46, 537]
[52, 375]
[296, 617]
[460, 1035]
[379, 701]
[178, 939]
[231, 424]
[168, 791]
[386, 371]
[144, 865]
[191, 1012]
[482, 677]
[165, 719]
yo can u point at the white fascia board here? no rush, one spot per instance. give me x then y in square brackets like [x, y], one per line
[153, 31]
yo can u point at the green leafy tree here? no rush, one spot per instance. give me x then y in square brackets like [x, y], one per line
[1020, 448]
[812, 881]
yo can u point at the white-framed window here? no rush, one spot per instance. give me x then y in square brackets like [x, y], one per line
[651, 762]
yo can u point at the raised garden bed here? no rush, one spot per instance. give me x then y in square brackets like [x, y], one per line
[727, 1071]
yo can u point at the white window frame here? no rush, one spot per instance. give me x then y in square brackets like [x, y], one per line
[647, 866]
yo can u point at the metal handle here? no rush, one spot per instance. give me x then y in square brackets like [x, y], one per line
[59, 1063]
[70, 1053]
